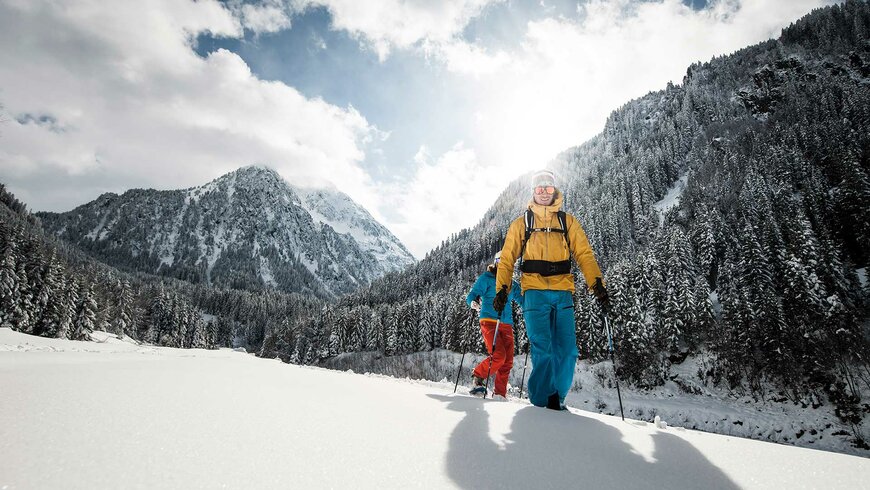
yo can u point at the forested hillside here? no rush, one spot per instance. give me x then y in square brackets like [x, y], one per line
[249, 229]
[731, 215]
[51, 289]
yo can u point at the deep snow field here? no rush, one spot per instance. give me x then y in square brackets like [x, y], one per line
[684, 400]
[113, 414]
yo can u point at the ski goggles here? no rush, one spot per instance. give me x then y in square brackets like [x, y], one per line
[541, 189]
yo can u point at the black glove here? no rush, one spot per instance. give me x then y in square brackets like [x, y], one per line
[500, 300]
[601, 295]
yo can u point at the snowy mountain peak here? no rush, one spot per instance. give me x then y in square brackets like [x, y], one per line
[260, 174]
[246, 229]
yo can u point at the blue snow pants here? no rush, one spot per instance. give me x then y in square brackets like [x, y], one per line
[549, 319]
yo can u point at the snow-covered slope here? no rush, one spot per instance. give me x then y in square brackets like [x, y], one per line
[119, 415]
[247, 229]
[335, 209]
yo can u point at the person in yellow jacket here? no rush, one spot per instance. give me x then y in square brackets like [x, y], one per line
[545, 238]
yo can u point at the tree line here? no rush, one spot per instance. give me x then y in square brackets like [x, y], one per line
[757, 264]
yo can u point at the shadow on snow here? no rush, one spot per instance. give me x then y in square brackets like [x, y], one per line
[548, 449]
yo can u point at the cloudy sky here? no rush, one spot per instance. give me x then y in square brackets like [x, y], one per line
[422, 111]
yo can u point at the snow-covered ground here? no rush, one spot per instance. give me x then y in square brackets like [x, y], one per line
[672, 197]
[684, 400]
[114, 414]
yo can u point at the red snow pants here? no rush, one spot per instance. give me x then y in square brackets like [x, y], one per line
[502, 358]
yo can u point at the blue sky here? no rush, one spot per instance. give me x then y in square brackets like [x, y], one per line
[413, 108]
[320, 62]
[330, 64]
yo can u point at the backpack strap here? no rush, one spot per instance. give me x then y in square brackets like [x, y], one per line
[530, 222]
[563, 230]
[545, 268]
[563, 222]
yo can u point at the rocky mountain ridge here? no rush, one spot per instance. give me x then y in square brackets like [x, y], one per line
[247, 229]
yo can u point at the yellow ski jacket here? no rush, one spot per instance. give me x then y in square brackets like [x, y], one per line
[547, 246]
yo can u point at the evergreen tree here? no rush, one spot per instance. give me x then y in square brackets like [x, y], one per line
[10, 294]
[86, 312]
[122, 323]
[391, 337]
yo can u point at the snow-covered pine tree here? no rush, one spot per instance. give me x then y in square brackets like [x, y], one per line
[589, 327]
[122, 323]
[10, 293]
[23, 313]
[376, 339]
[197, 335]
[638, 349]
[391, 337]
[84, 321]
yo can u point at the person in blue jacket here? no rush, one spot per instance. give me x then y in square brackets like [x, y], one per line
[480, 298]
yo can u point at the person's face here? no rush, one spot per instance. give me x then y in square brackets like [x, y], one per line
[544, 194]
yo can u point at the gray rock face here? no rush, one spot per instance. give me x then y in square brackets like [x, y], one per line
[248, 229]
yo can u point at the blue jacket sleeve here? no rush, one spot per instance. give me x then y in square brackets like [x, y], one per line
[477, 290]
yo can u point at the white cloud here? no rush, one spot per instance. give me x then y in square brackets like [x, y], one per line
[470, 59]
[443, 197]
[269, 16]
[138, 108]
[557, 89]
[400, 24]
[569, 74]
[113, 97]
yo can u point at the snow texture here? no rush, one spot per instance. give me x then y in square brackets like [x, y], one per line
[115, 414]
[684, 400]
[335, 209]
[244, 229]
[672, 197]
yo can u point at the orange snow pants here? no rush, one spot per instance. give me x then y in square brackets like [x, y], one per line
[502, 358]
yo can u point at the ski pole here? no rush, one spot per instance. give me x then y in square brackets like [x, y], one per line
[491, 354]
[523, 378]
[464, 350]
[610, 348]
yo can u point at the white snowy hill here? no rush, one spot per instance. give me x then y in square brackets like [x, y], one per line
[247, 229]
[114, 414]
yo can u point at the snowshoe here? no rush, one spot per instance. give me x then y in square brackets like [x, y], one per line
[477, 391]
[477, 388]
